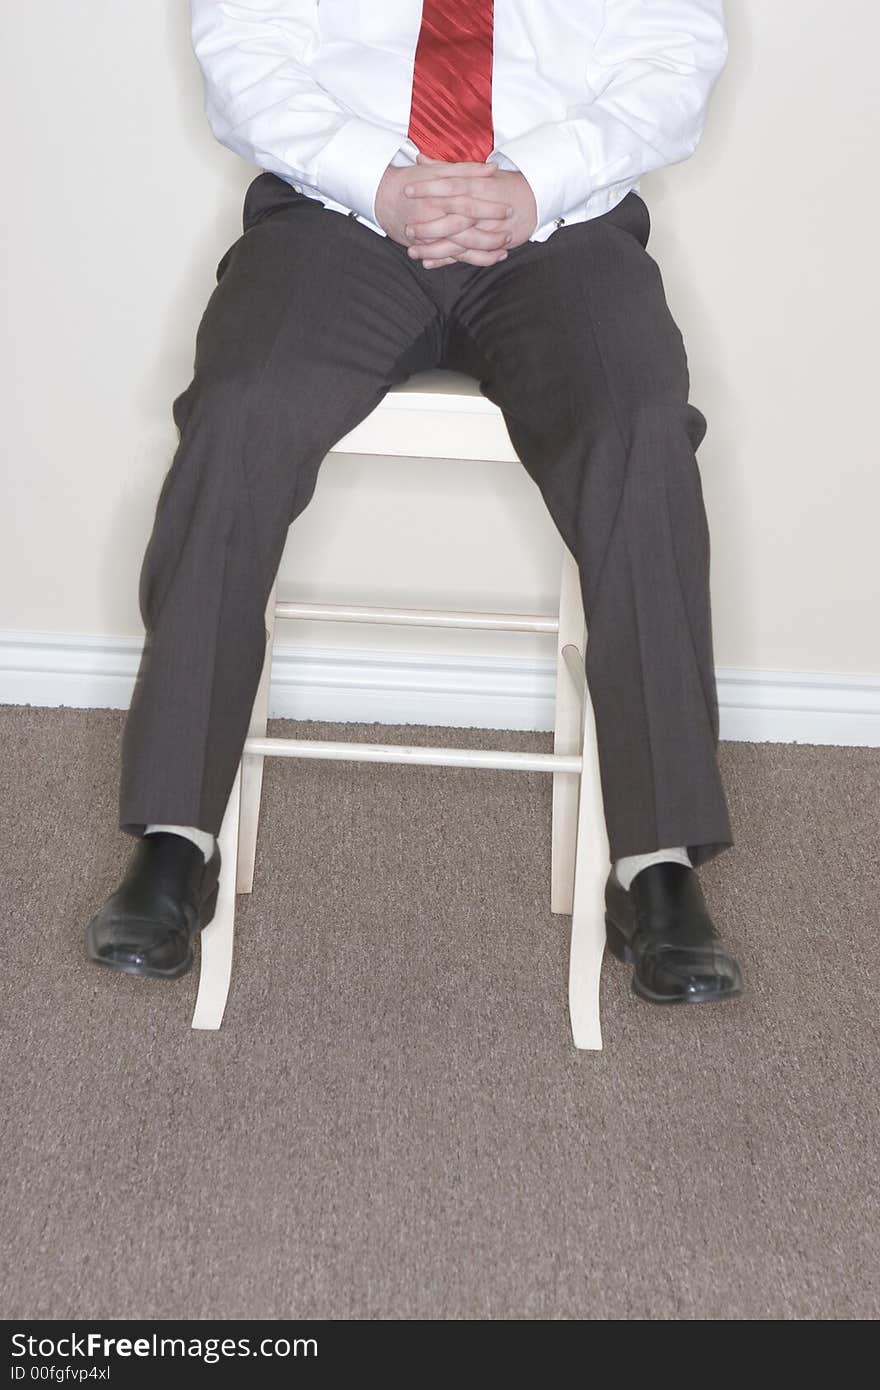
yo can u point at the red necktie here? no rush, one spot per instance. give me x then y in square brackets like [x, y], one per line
[451, 113]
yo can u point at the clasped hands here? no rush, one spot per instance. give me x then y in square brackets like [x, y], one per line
[467, 212]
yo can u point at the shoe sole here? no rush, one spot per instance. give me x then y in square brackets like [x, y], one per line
[206, 914]
[620, 949]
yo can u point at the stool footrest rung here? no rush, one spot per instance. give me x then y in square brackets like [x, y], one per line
[418, 617]
[513, 760]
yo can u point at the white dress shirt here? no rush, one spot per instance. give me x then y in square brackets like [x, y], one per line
[587, 95]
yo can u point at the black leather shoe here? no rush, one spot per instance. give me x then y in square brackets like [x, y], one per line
[168, 893]
[662, 926]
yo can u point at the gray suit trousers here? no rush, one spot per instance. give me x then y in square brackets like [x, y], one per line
[313, 318]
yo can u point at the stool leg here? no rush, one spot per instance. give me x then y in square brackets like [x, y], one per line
[567, 738]
[217, 937]
[252, 763]
[588, 910]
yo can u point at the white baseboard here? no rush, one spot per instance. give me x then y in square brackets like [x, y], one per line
[353, 686]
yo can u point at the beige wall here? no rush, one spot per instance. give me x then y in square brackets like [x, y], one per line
[119, 204]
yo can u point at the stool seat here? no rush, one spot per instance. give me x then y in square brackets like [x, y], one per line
[443, 414]
[442, 381]
[438, 414]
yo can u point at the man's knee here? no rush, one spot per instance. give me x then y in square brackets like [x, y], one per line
[657, 427]
[217, 394]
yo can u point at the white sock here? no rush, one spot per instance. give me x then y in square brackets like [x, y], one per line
[629, 866]
[203, 838]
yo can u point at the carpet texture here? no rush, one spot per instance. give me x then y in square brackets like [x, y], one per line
[392, 1122]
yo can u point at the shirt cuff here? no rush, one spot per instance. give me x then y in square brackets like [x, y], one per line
[551, 159]
[353, 162]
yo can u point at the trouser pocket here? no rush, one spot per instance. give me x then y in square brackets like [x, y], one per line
[631, 215]
[268, 194]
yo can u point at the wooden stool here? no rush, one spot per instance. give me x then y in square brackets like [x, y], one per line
[443, 414]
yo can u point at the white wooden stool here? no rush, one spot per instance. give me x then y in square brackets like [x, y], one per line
[442, 414]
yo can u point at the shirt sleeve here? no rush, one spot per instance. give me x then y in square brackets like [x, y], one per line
[263, 103]
[648, 79]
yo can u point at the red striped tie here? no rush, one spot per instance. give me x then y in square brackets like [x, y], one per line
[451, 113]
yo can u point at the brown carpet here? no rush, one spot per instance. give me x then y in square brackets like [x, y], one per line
[392, 1122]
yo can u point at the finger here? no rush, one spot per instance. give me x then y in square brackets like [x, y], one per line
[432, 251]
[492, 241]
[423, 252]
[453, 223]
[472, 209]
[469, 236]
[483, 208]
[446, 225]
[482, 257]
[451, 184]
[451, 247]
